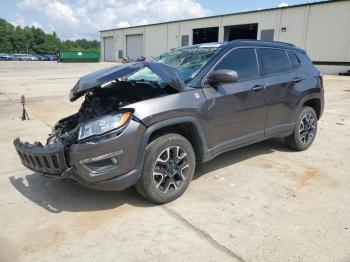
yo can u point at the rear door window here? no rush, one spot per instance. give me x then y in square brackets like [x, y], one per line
[243, 61]
[274, 61]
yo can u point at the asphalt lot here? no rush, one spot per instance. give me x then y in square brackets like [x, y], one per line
[260, 203]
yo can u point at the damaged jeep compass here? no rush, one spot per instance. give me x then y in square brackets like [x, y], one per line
[147, 124]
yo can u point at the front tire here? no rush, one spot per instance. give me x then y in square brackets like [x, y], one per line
[168, 168]
[305, 130]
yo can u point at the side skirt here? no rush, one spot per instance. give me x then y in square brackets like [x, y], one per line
[244, 141]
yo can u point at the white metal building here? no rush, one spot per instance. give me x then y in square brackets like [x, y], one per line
[321, 28]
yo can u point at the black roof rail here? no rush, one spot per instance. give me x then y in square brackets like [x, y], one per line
[264, 41]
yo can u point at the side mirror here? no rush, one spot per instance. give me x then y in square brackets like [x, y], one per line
[222, 76]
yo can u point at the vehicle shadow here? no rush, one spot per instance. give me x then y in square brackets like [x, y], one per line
[57, 195]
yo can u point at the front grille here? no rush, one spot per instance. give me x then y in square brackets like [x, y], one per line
[48, 159]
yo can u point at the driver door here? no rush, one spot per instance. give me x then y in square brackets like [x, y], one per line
[236, 111]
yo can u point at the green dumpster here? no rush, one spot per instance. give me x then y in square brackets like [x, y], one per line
[78, 56]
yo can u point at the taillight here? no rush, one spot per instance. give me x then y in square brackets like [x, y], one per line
[321, 78]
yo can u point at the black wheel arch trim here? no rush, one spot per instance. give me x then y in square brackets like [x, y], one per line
[308, 98]
[169, 122]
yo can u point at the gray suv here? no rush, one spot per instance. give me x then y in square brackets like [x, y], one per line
[148, 123]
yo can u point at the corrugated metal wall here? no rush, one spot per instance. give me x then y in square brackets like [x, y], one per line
[322, 29]
[295, 22]
[156, 40]
[328, 32]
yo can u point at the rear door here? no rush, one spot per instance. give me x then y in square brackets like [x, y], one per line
[236, 111]
[280, 94]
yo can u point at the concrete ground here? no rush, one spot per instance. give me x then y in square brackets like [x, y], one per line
[260, 203]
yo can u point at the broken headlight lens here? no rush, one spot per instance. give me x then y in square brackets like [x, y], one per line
[103, 125]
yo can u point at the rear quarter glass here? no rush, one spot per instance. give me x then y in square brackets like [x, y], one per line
[304, 59]
[307, 64]
[294, 59]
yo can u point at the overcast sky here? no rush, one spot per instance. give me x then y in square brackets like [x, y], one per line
[84, 18]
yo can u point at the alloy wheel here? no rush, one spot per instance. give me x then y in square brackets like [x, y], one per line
[170, 169]
[307, 128]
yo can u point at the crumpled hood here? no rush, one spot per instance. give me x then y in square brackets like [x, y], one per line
[86, 83]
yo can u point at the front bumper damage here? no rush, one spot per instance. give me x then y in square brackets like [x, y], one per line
[106, 164]
[48, 160]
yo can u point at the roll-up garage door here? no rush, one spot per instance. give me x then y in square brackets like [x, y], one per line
[108, 49]
[134, 46]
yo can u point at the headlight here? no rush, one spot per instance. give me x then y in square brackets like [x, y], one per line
[103, 125]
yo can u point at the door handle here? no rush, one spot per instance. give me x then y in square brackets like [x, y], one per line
[258, 87]
[297, 80]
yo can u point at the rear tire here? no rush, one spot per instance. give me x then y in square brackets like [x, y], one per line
[305, 130]
[168, 168]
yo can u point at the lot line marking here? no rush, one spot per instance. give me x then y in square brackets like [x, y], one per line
[202, 233]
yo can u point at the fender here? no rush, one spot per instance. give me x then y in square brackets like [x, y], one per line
[178, 120]
[310, 97]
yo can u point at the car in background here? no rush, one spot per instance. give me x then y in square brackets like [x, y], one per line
[25, 57]
[51, 57]
[15, 57]
[5, 57]
[30, 58]
[41, 57]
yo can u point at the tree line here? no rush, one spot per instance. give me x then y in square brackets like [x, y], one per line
[17, 39]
